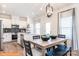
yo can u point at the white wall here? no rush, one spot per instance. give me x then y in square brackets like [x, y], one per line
[44, 19]
[54, 19]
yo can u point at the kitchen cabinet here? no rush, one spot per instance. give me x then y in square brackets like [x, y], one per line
[7, 37]
[6, 23]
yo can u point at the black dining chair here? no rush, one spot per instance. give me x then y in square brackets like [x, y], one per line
[27, 46]
[29, 50]
[68, 48]
[61, 50]
[61, 36]
[36, 37]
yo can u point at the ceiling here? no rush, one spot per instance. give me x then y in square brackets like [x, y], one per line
[27, 9]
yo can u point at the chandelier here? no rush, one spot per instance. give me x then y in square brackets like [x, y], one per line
[49, 10]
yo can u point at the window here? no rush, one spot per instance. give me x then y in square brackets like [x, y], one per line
[65, 24]
[37, 26]
[31, 28]
[47, 28]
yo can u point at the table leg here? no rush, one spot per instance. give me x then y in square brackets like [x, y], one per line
[65, 43]
[34, 45]
[43, 52]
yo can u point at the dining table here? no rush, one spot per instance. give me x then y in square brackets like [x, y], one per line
[47, 44]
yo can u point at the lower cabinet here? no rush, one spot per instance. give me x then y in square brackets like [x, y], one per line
[7, 37]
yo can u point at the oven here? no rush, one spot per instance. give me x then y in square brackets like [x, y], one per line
[14, 36]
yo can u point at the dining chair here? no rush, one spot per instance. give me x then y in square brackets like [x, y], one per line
[62, 50]
[36, 37]
[27, 46]
[21, 40]
[61, 36]
[30, 51]
[67, 48]
[59, 51]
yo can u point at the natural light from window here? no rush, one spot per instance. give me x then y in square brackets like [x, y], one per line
[37, 26]
[66, 27]
[47, 28]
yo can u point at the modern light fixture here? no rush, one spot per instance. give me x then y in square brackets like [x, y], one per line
[49, 10]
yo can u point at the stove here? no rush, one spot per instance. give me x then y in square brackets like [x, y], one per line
[14, 36]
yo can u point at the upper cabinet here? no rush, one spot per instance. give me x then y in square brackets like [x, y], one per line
[22, 22]
[6, 20]
[13, 20]
[6, 23]
[19, 21]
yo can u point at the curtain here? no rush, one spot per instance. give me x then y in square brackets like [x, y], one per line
[67, 20]
[75, 40]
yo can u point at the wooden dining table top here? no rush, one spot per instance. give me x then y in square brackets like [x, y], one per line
[49, 43]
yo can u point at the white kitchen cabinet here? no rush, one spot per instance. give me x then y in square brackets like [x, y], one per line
[22, 24]
[7, 37]
[6, 23]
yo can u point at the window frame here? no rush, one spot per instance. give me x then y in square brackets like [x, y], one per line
[73, 14]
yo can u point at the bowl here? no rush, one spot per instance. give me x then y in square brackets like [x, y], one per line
[45, 38]
[53, 37]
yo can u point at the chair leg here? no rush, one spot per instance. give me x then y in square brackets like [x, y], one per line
[70, 52]
[53, 47]
[66, 54]
[34, 46]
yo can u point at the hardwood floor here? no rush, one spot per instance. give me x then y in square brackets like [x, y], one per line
[13, 49]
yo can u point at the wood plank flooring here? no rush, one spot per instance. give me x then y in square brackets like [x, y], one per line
[13, 49]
